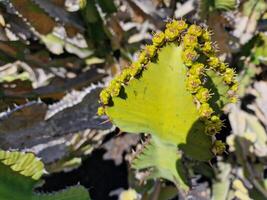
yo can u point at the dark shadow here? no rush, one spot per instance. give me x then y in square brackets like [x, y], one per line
[139, 75]
[247, 100]
[123, 94]
[154, 59]
[226, 129]
[181, 169]
[99, 176]
[214, 101]
[198, 145]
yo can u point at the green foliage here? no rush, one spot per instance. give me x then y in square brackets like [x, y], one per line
[225, 4]
[20, 173]
[222, 5]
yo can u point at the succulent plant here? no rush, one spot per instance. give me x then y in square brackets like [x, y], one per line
[20, 172]
[175, 91]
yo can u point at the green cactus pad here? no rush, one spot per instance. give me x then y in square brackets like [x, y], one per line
[158, 103]
[175, 91]
[154, 156]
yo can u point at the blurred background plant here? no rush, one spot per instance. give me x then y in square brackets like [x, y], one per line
[55, 57]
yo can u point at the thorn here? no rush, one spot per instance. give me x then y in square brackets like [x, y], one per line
[210, 164]
[104, 122]
[119, 133]
[212, 94]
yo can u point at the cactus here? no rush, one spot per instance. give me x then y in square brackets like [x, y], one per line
[153, 155]
[207, 6]
[175, 91]
[20, 172]
[44, 19]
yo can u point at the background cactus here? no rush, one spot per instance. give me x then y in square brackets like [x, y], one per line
[20, 173]
[174, 91]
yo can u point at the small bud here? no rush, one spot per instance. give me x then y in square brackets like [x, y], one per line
[218, 147]
[195, 30]
[214, 62]
[215, 118]
[234, 87]
[193, 83]
[181, 25]
[124, 76]
[174, 28]
[150, 51]
[171, 33]
[206, 35]
[222, 67]
[205, 110]
[158, 39]
[101, 111]
[136, 69]
[104, 96]
[203, 95]
[229, 76]
[114, 88]
[212, 129]
[143, 59]
[233, 99]
[213, 126]
[196, 69]
[190, 41]
[207, 47]
[189, 56]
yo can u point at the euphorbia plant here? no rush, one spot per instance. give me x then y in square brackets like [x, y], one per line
[175, 91]
[20, 173]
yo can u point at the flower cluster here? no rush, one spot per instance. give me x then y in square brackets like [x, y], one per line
[198, 46]
[194, 40]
